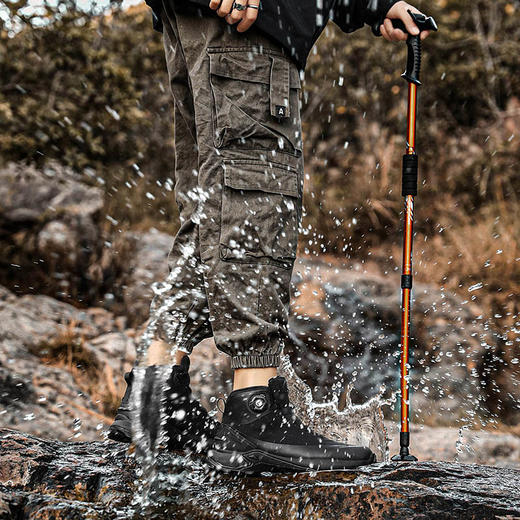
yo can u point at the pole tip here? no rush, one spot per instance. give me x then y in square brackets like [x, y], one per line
[404, 458]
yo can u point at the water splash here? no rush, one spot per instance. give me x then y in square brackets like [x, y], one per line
[164, 476]
[171, 480]
[149, 436]
[360, 425]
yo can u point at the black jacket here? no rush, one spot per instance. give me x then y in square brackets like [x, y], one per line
[297, 24]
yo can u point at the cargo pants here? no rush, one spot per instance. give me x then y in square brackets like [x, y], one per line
[238, 187]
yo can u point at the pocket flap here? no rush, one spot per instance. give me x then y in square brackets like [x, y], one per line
[247, 66]
[263, 176]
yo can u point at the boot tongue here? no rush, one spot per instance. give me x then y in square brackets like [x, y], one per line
[279, 390]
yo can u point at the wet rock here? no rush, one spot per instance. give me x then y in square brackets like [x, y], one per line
[49, 479]
[353, 318]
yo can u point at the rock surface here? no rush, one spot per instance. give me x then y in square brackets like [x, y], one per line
[45, 479]
[49, 230]
[59, 366]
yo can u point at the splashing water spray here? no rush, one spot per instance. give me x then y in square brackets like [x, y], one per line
[410, 167]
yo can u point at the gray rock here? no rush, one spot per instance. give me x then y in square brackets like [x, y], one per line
[60, 368]
[30, 195]
[49, 479]
[148, 264]
[49, 229]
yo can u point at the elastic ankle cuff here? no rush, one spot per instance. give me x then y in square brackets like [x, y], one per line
[264, 361]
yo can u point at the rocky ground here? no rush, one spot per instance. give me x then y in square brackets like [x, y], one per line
[73, 301]
[97, 480]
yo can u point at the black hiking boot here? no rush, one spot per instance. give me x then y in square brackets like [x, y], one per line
[121, 429]
[187, 425]
[166, 397]
[260, 432]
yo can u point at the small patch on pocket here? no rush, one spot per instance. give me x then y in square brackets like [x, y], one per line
[279, 91]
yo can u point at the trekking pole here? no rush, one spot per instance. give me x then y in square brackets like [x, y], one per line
[410, 166]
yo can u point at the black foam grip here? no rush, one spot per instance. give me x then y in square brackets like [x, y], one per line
[410, 168]
[413, 61]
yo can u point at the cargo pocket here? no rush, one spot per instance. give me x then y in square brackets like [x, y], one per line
[255, 100]
[261, 208]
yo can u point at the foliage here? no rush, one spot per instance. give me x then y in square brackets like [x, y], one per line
[92, 92]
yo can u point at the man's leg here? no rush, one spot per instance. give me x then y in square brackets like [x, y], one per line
[247, 116]
[179, 311]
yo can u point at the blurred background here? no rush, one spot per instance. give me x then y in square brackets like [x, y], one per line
[87, 216]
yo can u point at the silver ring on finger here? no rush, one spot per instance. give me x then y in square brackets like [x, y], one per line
[239, 7]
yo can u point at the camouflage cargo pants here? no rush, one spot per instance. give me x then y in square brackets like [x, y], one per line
[238, 186]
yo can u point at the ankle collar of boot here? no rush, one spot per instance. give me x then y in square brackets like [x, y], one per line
[179, 379]
[243, 391]
[254, 400]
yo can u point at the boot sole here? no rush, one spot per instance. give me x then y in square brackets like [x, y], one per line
[121, 431]
[257, 461]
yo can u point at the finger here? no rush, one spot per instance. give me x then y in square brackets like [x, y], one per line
[232, 19]
[384, 33]
[395, 35]
[387, 23]
[214, 4]
[399, 35]
[235, 16]
[249, 19]
[409, 23]
[425, 34]
[225, 8]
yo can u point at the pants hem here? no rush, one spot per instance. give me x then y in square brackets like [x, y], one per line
[254, 361]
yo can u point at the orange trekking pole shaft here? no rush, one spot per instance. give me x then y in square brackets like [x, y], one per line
[409, 190]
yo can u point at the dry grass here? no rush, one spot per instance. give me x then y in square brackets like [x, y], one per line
[68, 351]
[477, 256]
